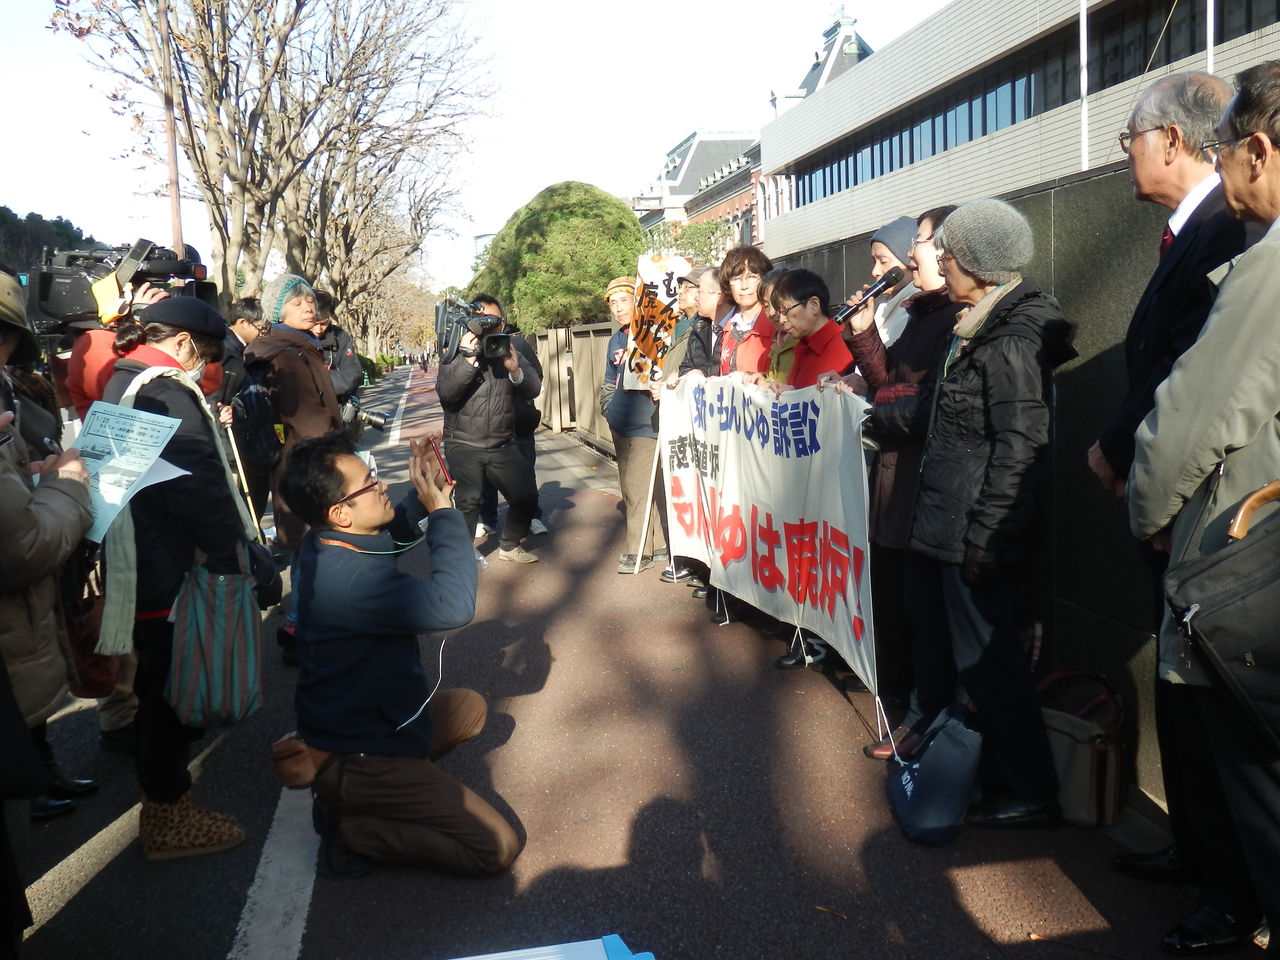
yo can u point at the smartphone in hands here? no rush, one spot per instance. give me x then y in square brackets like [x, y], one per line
[444, 468]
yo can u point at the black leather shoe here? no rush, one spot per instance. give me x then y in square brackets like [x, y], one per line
[62, 787]
[1163, 866]
[47, 808]
[700, 593]
[1006, 812]
[1206, 930]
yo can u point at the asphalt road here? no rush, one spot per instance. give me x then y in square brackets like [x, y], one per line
[672, 787]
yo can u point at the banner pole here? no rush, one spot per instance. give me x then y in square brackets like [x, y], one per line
[648, 505]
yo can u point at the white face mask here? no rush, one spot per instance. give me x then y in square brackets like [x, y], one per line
[198, 373]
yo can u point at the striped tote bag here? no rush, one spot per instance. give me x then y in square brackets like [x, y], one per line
[216, 675]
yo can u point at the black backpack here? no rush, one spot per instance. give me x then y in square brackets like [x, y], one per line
[259, 432]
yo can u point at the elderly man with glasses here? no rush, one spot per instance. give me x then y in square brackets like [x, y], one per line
[1166, 128]
[366, 711]
[1212, 439]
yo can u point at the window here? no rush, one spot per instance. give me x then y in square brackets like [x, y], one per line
[1122, 38]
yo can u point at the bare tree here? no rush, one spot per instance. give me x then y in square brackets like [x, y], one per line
[300, 119]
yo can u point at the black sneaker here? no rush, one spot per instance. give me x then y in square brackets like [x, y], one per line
[677, 573]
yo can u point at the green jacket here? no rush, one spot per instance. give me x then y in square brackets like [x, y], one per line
[1213, 437]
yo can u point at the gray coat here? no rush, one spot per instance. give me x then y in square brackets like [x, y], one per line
[1213, 437]
[42, 526]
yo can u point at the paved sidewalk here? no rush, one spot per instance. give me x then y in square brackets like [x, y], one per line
[676, 789]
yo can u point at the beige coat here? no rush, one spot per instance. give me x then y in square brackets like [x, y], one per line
[1213, 437]
[39, 528]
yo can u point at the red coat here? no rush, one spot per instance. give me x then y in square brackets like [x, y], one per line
[748, 352]
[822, 350]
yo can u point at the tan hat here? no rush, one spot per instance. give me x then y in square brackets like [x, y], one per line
[624, 284]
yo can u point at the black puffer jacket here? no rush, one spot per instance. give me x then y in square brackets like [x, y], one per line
[196, 510]
[479, 399]
[988, 427]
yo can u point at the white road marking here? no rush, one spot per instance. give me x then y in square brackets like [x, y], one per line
[48, 895]
[275, 912]
[394, 439]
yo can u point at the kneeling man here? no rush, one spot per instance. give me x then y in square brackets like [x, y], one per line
[363, 695]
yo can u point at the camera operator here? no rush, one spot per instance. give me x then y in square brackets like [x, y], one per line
[362, 693]
[338, 349]
[527, 420]
[479, 396]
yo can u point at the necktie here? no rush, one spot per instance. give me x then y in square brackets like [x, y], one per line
[1166, 241]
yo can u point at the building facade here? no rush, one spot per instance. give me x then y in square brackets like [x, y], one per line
[984, 99]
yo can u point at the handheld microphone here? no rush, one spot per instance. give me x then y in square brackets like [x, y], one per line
[890, 279]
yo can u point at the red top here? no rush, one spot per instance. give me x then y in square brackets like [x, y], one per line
[89, 368]
[822, 350]
[93, 361]
[748, 352]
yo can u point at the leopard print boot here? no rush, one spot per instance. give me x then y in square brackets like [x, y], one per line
[181, 829]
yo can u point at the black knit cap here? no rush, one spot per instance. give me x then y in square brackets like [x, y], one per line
[186, 313]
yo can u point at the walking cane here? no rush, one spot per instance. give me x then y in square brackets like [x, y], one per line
[244, 483]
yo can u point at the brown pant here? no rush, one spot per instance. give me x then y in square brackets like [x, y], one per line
[635, 468]
[405, 810]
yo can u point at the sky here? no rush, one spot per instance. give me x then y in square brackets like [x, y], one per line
[582, 90]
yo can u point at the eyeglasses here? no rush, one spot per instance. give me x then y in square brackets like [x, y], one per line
[943, 258]
[1126, 137]
[1211, 148]
[921, 241]
[786, 310]
[361, 492]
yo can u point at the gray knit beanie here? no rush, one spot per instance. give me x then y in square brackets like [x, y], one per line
[988, 238]
[283, 288]
[897, 236]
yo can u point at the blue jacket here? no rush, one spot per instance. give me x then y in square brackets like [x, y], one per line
[630, 412]
[362, 687]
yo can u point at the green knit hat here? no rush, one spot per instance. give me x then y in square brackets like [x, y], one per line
[280, 290]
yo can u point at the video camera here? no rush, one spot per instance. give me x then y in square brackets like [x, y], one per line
[77, 284]
[455, 316]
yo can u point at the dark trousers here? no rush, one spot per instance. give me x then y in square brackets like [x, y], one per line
[163, 740]
[1226, 780]
[986, 641]
[507, 469]
[406, 810]
[489, 497]
[933, 665]
[893, 640]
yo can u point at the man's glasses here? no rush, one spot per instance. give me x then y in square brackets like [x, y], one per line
[363, 490]
[786, 310]
[1210, 149]
[1127, 138]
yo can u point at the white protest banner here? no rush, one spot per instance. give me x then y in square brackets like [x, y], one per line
[771, 493]
[121, 452]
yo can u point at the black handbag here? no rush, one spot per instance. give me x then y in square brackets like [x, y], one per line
[1228, 605]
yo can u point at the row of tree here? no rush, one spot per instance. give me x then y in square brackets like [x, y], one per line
[24, 239]
[324, 129]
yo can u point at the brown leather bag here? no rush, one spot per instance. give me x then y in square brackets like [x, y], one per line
[296, 763]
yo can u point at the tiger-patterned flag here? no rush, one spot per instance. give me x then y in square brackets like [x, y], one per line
[653, 330]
